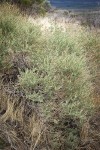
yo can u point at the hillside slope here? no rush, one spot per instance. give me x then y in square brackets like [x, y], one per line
[49, 79]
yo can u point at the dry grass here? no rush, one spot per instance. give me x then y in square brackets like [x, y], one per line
[16, 128]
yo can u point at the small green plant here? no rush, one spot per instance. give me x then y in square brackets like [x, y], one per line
[26, 2]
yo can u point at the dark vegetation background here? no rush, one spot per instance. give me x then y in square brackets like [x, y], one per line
[24, 2]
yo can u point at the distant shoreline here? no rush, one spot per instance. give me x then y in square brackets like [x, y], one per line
[77, 4]
[76, 9]
[89, 10]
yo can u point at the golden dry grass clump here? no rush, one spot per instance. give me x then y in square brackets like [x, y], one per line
[18, 129]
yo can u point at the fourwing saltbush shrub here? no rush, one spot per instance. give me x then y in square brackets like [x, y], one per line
[56, 78]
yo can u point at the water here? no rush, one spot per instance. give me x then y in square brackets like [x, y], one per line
[75, 4]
